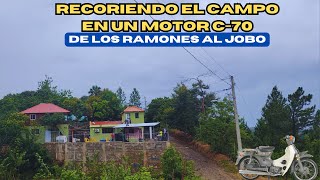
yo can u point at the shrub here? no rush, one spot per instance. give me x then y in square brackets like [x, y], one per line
[175, 167]
[72, 175]
[43, 171]
[143, 174]
[53, 119]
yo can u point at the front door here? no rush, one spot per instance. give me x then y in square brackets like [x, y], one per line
[47, 136]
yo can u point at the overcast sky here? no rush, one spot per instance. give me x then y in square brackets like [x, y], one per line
[32, 46]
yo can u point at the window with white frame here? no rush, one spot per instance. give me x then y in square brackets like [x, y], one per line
[127, 116]
[33, 117]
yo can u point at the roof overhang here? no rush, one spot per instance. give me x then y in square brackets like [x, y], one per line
[137, 125]
[95, 126]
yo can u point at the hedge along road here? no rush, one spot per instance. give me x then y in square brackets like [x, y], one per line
[206, 168]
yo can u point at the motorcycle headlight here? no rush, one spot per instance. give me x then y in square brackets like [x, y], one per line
[292, 139]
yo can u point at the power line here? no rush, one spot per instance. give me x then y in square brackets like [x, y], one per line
[210, 57]
[222, 90]
[223, 69]
[205, 66]
[211, 71]
[195, 78]
[196, 57]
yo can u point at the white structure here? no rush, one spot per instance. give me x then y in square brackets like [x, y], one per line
[61, 139]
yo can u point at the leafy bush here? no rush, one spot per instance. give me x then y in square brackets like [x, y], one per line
[143, 174]
[43, 172]
[9, 166]
[217, 128]
[72, 175]
[21, 158]
[174, 167]
[12, 128]
[53, 119]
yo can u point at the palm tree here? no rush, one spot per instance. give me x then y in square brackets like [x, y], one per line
[94, 90]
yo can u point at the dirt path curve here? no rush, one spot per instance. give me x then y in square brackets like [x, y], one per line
[205, 167]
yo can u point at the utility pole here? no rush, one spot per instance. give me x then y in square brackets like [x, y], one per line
[236, 116]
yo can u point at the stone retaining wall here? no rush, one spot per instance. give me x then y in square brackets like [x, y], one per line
[142, 153]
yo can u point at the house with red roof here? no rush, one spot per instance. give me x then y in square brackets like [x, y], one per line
[45, 133]
[38, 111]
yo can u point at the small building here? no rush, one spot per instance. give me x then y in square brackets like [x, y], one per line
[46, 133]
[133, 113]
[131, 127]
[134, 126]
[102, 130]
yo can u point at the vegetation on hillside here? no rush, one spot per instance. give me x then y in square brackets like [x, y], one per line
[23, 158]
[193, 109]
[99, 104]
[210, 119]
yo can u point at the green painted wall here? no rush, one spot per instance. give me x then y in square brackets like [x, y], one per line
[133, 118]
[100, 136]
[64, 129]
[40, 138]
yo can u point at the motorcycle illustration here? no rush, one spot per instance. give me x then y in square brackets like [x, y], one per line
[253, 163]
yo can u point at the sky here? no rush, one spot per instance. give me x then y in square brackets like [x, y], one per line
[32, 46]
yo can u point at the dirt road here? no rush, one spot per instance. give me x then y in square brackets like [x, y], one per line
[206, 168]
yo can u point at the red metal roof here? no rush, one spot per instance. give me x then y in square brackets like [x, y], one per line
[133, 109]
[100, 123]
[45, 108]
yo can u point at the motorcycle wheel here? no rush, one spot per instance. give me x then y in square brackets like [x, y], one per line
[241, 166]
[310, 171]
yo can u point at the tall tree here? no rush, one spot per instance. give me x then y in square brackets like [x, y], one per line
[316, 123]
[106, 106]
[47, 85]
[75, 105]
[160, 110]
[311, 138]
[275, 120]
[46, 93]
[200, 89]
[121, 95]
[301, 114]
[93, 104]
[186, 109]
[113, 104]
[94, 90]
[217, 128]
[135, 98]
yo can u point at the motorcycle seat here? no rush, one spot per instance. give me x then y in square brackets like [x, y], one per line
[266, 148]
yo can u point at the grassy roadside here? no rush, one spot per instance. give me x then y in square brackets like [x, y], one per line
[222, 161]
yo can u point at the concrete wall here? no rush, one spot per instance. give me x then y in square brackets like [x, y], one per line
[142, 153]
